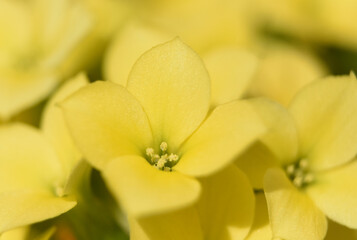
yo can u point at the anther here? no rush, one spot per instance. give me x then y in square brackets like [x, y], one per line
[163, 146]
[173, 157]
[309, 178]
[298, 181]
[303, 163]
[290, 169]
[150, 152]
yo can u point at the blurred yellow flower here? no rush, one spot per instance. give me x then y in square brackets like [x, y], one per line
[36, 167]
[315, 148]
[152, 139]
[31, 180]
[36, 38]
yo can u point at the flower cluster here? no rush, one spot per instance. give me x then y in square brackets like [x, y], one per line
[209, 124]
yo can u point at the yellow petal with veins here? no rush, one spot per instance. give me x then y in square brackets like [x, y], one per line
[144, 190]
[225, 134]
[335, 193]
[292, 214]
[173, 86]
[231, 71]
[326, 117]
[135, 39]
[106, 121]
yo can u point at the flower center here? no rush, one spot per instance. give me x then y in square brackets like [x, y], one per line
[163, 160]
[299, 173]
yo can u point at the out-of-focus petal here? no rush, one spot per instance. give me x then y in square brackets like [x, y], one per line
[135, 39]
[231, 70]
[226, 207]
[24, 207]
[261, 226]
[55, 128]
[177, 225]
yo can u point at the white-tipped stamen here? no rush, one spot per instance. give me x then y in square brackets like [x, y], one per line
[299, 173]
[173, 157]
[309, 178]
[150, 152]
[164, 161]
[298, 181]
[303, 163]
[163, 146]
[290, 169]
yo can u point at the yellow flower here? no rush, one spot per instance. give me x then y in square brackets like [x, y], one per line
[37, 37]
[36, 166]
[31, 178]
[225, 210]
[152, 139]
[315, 149]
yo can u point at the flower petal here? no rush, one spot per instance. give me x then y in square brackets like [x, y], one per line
[20, 91]
[135, 39]
[226, 207]
[173, 86]
[255, 161]
[283, 71]
[231, 70]
[278, 146]
[27, 160]
[15, 234]
[227, 132]
[292, 214]
[281, 138]
[55, 127]
[106, 121]
[177, 225]
[24, 207]
[144, 190]
[335, 193]
[326, 117]
[261, 227]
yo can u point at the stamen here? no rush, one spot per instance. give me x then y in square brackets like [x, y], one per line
[303, 163]
[164, 161]
[290, 169]
[299, 173]
[163, 146]
[150, 152]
